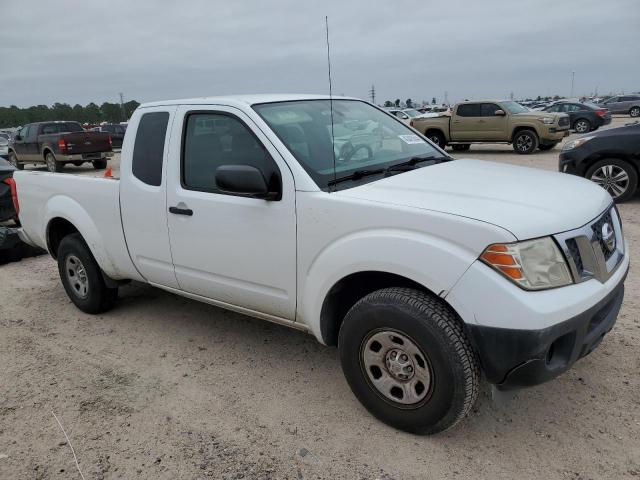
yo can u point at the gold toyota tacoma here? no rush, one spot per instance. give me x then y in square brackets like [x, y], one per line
[490, 121]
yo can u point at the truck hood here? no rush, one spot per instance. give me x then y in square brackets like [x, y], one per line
[527, 202]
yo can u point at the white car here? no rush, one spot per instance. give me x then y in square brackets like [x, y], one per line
[405, 114]
[426, 272]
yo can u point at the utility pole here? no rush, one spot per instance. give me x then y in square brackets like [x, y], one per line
[573, 75]
[372, 94]
[446, 97]
[124, 114]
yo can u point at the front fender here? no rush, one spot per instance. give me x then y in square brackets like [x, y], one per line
[431, 261]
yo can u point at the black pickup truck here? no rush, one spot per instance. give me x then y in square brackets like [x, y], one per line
[58, 143]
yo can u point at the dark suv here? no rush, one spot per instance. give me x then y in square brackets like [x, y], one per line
[117, 132]
[611, 158]
[584, 117]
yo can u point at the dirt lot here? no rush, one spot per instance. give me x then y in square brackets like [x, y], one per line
[166, 388]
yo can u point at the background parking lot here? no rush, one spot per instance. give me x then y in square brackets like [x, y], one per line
[165, 387]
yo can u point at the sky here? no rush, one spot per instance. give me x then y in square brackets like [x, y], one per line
[89, 51]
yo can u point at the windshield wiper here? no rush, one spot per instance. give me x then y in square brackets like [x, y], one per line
[357, 175]
[412, 162]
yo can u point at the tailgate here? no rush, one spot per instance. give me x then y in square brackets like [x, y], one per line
[87, 142]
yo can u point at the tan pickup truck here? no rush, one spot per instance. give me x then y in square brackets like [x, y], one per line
[490, 121]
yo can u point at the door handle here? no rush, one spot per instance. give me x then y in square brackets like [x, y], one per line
[181, 211]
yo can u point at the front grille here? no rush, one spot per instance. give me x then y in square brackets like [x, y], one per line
[586, 249]
[597, 231]
[563, 122]
[574, 253]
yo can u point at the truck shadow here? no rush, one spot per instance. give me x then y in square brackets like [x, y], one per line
[269, 354]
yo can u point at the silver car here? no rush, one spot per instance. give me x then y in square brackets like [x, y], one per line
[623, 104]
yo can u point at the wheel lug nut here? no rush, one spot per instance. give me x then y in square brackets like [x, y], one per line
[403, 357]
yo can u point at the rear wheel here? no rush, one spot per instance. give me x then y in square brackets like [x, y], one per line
[635, 112]
[408, 361]
[437, 138]
[582, 125]
[82, 278]
[525, 142]
[13, 160]
[100, 164]
[52, 164]
[461, 147]
[616, 176]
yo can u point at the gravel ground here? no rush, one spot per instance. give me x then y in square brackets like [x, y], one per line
[164, 388]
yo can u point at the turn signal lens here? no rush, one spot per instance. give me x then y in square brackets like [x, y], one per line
[533, 264]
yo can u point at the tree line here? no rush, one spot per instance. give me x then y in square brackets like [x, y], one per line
[92, 113]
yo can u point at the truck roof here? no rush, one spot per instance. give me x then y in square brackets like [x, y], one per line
[486, 100]
[244, 100]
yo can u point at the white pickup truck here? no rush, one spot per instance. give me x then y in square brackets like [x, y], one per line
[335, 218]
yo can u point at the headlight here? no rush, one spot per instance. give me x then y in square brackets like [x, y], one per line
[576, 143]
[547, 120]
[533, 264]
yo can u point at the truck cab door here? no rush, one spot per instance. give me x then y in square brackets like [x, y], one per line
[143, 199]
[492, 126]
[237, 250]
[466, 122]
[19, 142]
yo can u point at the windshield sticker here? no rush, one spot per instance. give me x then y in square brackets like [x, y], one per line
[411, 139]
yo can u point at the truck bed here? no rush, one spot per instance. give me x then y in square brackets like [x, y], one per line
[92, 205]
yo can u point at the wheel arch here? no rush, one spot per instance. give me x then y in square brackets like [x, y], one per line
[520, 128]
[347, 291]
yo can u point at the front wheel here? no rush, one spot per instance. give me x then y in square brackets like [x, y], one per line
[617, 177]
[525, 142]
[635, 112]
[82, 278]
[13, 160]
[53, 165]
[408, 361]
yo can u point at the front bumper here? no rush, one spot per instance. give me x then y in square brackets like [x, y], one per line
[514, 358]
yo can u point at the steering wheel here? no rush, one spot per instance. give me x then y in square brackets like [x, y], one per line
[348, 151]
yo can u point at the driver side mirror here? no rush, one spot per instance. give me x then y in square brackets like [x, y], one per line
[499, 113]
[245, 180]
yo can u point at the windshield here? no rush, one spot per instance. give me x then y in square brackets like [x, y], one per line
[364, 137]
[514, 107]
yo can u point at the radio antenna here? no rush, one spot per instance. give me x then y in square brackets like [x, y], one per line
[333, 142]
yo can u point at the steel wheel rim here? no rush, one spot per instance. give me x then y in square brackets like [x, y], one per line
[77, 276]
[581, 127]
[612, 178]
[396, 367]
[524, 142]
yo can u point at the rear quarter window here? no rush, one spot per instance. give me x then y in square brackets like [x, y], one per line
[148, 150]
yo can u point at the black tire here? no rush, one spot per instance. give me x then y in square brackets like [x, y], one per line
[599, 170]
[525, 142]
[582, 125]
[98, 298]
[547, 146]
[77, 164]
[433, 327]
[52, 164]
[13, 160]
[437, 138]
[100, 164]
[634, 112]
[461, 147]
